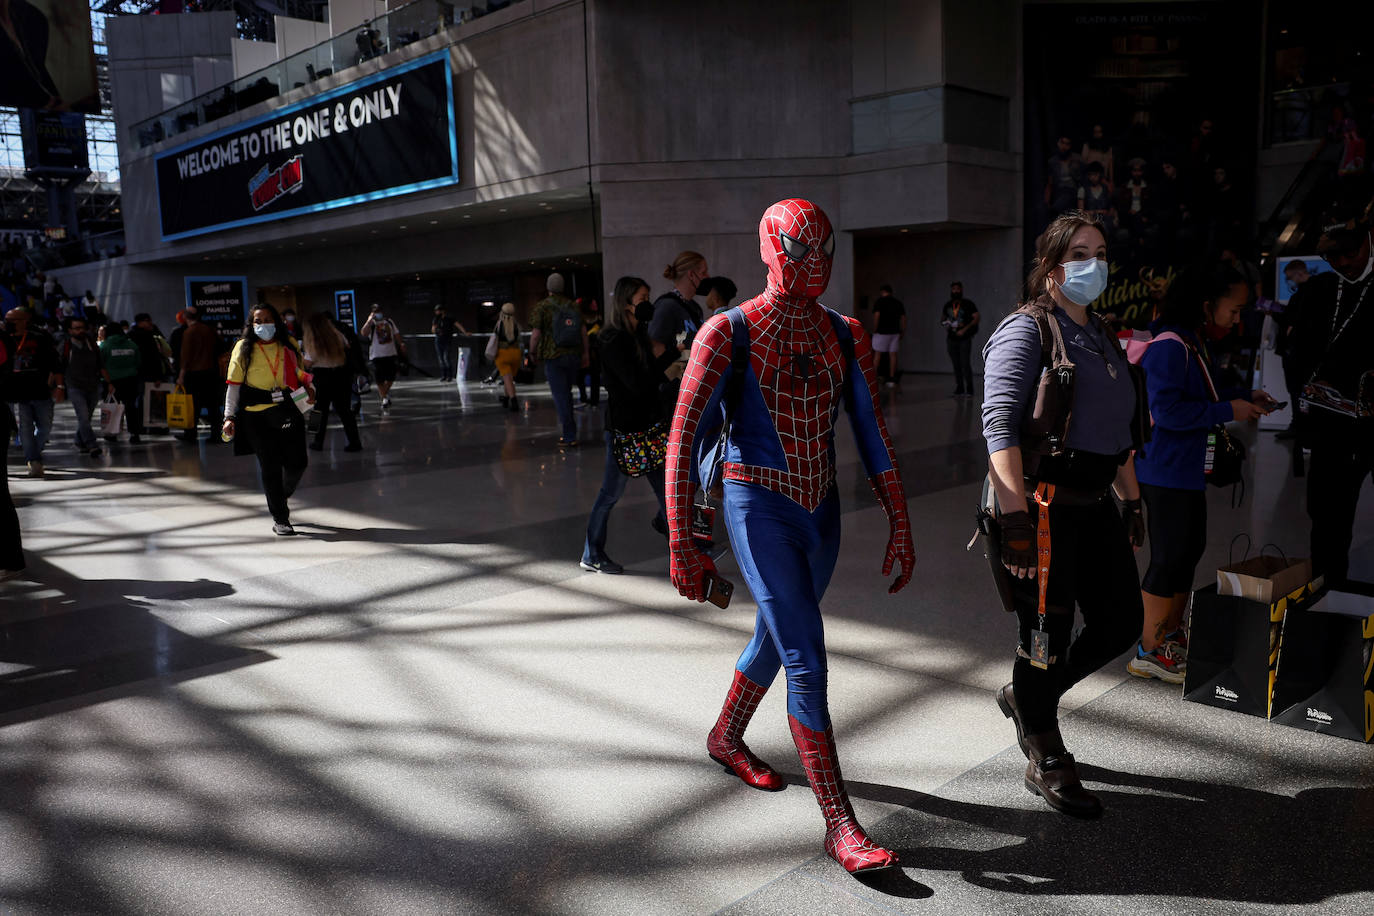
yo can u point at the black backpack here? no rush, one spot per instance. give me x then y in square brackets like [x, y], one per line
[567, 327]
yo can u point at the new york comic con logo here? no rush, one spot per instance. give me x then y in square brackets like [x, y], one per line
[269, 184]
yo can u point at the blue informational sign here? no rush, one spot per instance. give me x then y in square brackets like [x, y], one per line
[344, 308]
[221, 302]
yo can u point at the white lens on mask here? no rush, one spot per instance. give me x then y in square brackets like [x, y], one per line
[1084, 281]
[265, 331]
[1368, 262]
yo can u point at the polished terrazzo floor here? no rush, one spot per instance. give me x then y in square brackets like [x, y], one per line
[422, 705]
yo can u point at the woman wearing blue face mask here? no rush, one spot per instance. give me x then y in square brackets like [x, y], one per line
[1056, 452]
[259, 414]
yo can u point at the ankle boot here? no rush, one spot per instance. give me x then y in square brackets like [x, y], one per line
[1051, 774]
[845, 840]
[1006, 701]
[725, 744]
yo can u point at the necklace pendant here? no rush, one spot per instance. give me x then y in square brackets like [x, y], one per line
[1111, 370]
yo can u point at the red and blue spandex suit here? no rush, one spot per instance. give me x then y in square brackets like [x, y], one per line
[781, 508]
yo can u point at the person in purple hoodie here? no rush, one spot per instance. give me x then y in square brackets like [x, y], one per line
[1184, 404]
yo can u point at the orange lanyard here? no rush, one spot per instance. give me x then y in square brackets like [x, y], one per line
[1044, 495]
[271, 366]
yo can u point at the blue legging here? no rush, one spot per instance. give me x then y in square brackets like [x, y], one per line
[787, 556]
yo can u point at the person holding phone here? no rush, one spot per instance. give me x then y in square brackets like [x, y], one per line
[1063, 544]
[1185, 403]
[764, 381]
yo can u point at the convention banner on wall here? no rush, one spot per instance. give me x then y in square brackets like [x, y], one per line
[221, 302]
[54, 141]
[47, 57]
[344, 308]
[387, 134]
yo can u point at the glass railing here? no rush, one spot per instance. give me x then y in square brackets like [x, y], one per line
[398, 28]
[53, 255]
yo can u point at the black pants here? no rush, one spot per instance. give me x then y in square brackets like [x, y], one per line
[593, 371]
[1092, 567]
[280, 450]
[334, 389]
[961, 356]
[1342, 457]
[11, 544]
[129, 392]
[207, 393]
[443, 351]
[1177, 522]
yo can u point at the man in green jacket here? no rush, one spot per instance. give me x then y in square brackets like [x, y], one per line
[121, 360]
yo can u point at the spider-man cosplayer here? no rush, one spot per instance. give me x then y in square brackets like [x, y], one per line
[781, 507]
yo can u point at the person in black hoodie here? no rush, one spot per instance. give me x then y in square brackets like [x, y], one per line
[632, 375]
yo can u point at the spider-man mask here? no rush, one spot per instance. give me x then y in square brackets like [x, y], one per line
[797, 244]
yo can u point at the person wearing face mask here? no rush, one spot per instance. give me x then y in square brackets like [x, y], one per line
[1185, 402]
[762, 391]
[1334, 364]
[677, 315]
[1061, 541]
[386, 349]
[259, 415]
[632, 375]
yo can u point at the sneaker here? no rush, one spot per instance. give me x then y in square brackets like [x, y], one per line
[283, 530]
[36, 469]
[603, 565]
[1177, 643]
[1160, 663]
[134, 439]
[96, 452]
[567, 443]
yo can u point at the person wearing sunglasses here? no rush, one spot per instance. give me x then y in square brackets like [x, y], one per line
[1334, 364]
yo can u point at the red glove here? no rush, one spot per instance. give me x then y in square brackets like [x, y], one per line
[901, 551]
[689, 568]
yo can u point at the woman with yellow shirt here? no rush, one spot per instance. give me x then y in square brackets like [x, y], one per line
[265, 368]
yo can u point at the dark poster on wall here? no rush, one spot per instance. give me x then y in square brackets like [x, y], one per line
[390, 133]
[1162, 82]
[54, 141]
[221, 302]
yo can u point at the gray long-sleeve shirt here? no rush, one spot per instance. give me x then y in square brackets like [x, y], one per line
[1102, 406]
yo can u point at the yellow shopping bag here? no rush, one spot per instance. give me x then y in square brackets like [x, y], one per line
[181, 410]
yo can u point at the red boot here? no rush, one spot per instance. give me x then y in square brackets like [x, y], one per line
[845, 840]
[725, 744]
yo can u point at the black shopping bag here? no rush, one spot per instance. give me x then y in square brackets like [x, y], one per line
[1325, 679]
[1233, 649]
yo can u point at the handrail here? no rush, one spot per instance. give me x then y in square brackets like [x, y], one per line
[372, 38]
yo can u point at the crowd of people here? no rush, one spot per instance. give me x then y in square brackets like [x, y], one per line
[736, 409]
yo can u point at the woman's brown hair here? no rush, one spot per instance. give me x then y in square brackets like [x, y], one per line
[683, 263]
[322, 339]
[1053, 244]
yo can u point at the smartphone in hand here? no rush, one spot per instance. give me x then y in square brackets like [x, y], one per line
[718, 591]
